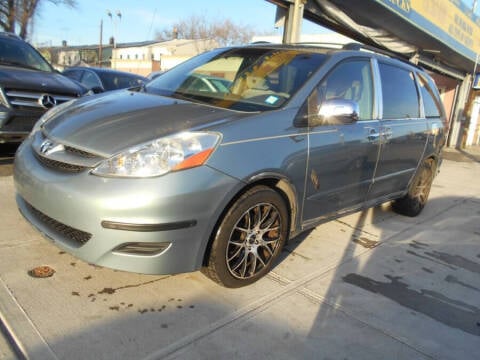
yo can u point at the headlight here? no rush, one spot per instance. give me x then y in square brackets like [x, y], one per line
[50, 114]
[177, 152]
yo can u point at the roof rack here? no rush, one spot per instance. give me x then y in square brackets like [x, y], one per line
[324, 44]
[370, 48]
[360, 47]
[306, 43]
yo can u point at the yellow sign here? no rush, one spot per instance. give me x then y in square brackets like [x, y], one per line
[451, 19]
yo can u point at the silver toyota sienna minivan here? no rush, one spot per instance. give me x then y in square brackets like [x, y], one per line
[216, 163]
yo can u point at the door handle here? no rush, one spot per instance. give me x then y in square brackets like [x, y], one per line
[373, 135]
[387, 133]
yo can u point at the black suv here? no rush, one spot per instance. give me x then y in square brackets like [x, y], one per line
[29, 86]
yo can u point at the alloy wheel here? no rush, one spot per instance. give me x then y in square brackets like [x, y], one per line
[253, 240]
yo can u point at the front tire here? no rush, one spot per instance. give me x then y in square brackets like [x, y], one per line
[249, 239]
[414, 201]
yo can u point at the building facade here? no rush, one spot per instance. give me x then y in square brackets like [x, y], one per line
[144, 58]
[139, 57]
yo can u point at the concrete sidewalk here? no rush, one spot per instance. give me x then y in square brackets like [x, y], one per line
[373, 285]
[469, 154]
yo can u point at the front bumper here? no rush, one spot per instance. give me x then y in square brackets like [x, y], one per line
[76, 211]
[15, 125]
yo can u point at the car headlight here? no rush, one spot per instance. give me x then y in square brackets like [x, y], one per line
[172, 153]
[49, 115]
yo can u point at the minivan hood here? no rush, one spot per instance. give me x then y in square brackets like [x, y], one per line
[111, 122]
[38, 81]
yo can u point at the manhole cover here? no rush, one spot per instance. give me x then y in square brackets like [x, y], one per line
[41, 272]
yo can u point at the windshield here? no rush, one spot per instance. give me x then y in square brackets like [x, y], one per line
[114, 80]
[245, 79]
[15, 52]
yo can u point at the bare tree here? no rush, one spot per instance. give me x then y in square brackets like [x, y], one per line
[224, 31]
[7, 15]
[19, 14]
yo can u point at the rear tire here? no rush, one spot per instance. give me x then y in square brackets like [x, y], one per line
[249, 239]
[414, 201]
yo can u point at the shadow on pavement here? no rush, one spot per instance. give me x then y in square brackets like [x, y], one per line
[470, 154]
[384, 286]
[420, 286]
[7, 155]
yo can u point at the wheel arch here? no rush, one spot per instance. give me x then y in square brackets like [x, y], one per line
[435, 158]
[277, 182]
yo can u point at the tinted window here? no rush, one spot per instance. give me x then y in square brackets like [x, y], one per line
[400, 98]
[73, 74]
[429, 103]
[90, 80]
[350, 80]
[118, 80]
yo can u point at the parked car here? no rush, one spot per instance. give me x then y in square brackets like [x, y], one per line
[169, 179]
[205, 83]
[103, 79]
[155, 74]
[29, 86]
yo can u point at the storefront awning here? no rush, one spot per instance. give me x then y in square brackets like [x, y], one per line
[442, 35]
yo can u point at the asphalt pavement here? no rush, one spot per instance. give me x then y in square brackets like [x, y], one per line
[372, 285]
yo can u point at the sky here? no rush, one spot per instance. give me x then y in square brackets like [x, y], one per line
[141, 19]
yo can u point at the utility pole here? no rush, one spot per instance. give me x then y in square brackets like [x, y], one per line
[114, 21]
[100, 48]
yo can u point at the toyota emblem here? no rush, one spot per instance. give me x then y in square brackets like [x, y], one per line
[46, 146]
[47, 101]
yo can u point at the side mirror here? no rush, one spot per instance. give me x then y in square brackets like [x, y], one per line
[338, 111]
[97, 89]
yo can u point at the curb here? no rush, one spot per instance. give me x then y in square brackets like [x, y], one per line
[15, 323]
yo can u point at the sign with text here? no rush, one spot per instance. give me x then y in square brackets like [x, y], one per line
[450, 21]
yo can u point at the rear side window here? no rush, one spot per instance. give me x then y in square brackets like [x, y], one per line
[400, 97]
[430, 103]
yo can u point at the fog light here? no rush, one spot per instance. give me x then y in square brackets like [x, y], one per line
[142, 248]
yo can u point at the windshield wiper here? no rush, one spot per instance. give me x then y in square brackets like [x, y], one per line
[180, 95]
[198, 98]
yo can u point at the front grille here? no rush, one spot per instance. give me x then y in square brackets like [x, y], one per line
[22, 99]
[20, 123]
[63, 158]
[76, 236]
[59, 165]
[80, 152]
